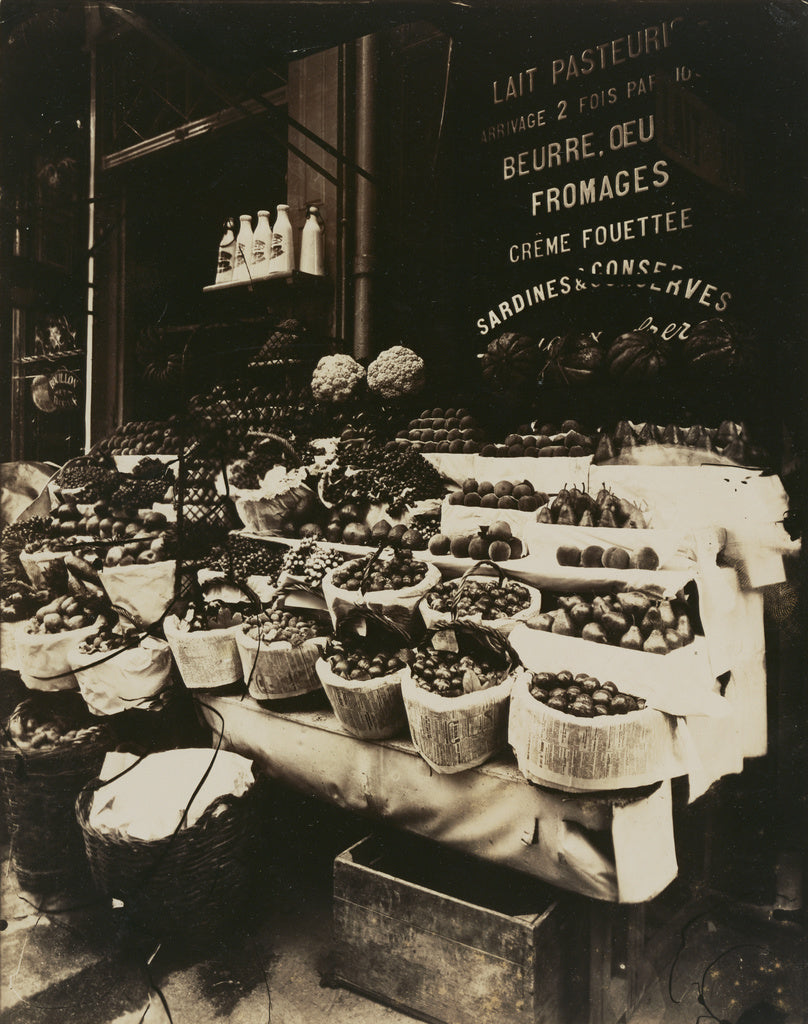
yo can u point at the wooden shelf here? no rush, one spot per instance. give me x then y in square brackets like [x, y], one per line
[294, 278]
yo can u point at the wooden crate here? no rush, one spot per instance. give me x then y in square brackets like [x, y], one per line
[453, 940]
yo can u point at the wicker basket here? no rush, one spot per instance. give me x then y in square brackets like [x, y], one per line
[40, 789]
[193, 883]
[277, 670]
[434, 619]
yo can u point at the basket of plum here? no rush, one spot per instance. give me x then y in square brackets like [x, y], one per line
[388, 585]
[362, 680]
[456, 696]
[279, 647]
[575, 731]
[496, 601]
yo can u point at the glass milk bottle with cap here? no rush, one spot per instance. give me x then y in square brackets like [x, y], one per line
[282, 260]
[311, 243]
[227, 253]
[242, 269]
[262, 245]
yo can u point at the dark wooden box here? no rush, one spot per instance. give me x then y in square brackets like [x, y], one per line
[453, 940]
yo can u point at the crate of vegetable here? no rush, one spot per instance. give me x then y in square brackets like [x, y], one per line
[362, 681]
[456, 696]
[279, 648]
[496, 601]
[388, 585]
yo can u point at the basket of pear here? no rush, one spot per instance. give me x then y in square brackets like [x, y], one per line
[138, 573]
[45, 641]
[456, 695]
[361, 676]
[497, 601]
[388, 585]
[279, 647]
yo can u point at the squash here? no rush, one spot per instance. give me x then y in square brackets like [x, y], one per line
[713, 348]
[575, 358]
[638, 356]
[510, 362]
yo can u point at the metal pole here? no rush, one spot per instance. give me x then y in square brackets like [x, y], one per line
[88, 372]
[365, 252]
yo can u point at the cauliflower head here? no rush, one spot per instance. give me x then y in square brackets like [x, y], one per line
[396, 372]
[336, 378]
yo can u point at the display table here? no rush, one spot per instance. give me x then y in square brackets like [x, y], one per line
[613, 846]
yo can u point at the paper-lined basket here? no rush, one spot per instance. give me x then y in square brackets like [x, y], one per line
[371, 709]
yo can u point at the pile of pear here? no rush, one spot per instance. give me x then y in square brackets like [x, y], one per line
[630, 619]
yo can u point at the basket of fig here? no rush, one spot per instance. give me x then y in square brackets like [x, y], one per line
[51, 747]
[202, 635]
[388, 584]
[575, 731]
[456, 696]
[279, 647]
[120, 667]
[362, 677]
[45, 640]
[497, 601]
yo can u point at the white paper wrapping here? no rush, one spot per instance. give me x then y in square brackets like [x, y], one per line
[144, 592]
[128, 680]
[370, 709]
[399, 605]
[42, 656]
[277, 670]
[148, 801]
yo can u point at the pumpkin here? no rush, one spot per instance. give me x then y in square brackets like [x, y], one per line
[573, 359]
[638, 356]
[510, 361]
[713, 348]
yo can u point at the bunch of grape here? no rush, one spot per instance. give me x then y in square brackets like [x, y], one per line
[139, 493]
[16, 535]
[249, 557]
[94, 481]
[152, 469]
[392, 478]
[311, 560]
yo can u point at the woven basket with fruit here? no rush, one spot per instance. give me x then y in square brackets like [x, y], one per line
[362, 681]
[498, 602]
[278, 649]
[457, 694]
[388, 585]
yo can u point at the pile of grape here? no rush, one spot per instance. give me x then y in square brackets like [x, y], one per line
[310, 561]
[139, 493]
[395, 478]
[247, 557]
[92, 479]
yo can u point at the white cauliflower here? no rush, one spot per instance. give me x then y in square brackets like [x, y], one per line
[336, 378]
[396, 372]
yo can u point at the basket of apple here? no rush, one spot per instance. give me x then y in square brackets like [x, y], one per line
[279, 648]
[497, 601]
[388, 584]
[45, 640]
[456, 695]
[119, 667]
[138, 572]
[362, 677]
[202, 636]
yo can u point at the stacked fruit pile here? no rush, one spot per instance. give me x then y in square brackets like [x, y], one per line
[275, 624]
[495, 541]
[400, 571]
[350, 661]
[444, 430]
[144, 437]
[488, 599]
[575, 506]
[730, 440]
[61, 615]
[538, 440]
[631, 619]
[504, 494]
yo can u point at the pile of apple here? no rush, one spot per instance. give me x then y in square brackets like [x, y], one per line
[504, 494]
[631, 619]
[444, 430]
[495, 541]
[582, 695]
[575, 506]
[68, 526]
[595, 556]
[543, 441]
[398, 572]
[490, 599]
[61, 615]
[347, 525]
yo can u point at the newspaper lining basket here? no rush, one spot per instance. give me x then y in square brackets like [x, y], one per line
[371, 709]
[40, 787]
[192, 883]
[276, 670]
